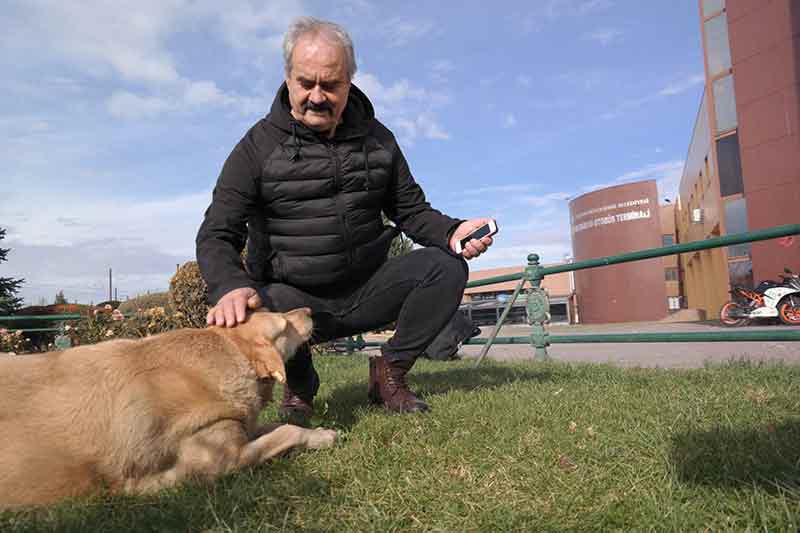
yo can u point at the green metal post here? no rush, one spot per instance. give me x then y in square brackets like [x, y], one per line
[499, 324]
[62, 340]
[538, 307]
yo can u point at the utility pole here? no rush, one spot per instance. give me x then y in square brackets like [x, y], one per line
[109, 284]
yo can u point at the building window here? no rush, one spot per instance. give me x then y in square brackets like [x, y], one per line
[736, 222]
[674, 303]
[671, 274]
[717, 47]
[481, 296]
[725, 103]
[741, 273]
[730, 165]
[667, 239]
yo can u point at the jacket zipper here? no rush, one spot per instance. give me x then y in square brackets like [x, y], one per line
[339, 199]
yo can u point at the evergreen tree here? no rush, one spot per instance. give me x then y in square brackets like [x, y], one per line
[60, 299]
[401, 245]
[9, 302]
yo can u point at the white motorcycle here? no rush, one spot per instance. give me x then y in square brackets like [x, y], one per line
[768, 300]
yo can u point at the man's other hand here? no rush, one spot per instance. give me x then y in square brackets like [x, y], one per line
[231, 309]
[475, 247]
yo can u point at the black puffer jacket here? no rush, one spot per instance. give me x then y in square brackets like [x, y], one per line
[310, 206]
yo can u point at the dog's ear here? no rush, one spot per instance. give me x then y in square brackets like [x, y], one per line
[267, 362]
[267, 359]
[273, 325]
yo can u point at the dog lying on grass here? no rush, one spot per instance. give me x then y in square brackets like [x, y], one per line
[135, 416]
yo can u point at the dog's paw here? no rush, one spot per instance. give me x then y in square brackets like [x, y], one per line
[321, 438]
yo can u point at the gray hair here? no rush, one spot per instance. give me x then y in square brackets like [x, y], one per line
[330, 30]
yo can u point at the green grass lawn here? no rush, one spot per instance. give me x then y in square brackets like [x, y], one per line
[508, 447]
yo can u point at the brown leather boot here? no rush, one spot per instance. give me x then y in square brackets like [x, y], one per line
[294, 408]
[387, 386]
[298, 392]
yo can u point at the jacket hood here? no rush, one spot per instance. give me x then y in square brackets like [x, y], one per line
[358, 113]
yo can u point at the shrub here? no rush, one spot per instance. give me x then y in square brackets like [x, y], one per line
[188, 295]
[151, 322]
[144, 302]
[41, 340]
[101, 326]
[13, 342]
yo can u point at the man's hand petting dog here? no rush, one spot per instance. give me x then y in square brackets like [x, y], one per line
[232, 308]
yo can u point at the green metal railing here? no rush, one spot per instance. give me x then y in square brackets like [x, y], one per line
[61, 341]
[538, 304]
[43, 318]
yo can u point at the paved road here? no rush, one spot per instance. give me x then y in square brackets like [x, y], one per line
[666, 355]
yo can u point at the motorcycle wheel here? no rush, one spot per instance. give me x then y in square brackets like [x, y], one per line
[789, 311]
[726, 318]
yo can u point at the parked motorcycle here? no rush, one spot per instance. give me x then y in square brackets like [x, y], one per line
[769, 300]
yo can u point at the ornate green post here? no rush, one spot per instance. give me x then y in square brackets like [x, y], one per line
[62, 340]
[352, 344]
[538, 308]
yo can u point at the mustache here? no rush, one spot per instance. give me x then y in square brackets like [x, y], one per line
[318, 108]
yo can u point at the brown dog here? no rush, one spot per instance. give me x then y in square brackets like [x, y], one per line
[135, 416]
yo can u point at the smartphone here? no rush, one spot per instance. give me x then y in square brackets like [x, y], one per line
[487, 230]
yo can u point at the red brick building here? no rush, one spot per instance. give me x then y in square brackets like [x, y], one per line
[742, 171]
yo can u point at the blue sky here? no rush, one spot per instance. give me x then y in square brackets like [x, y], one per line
[116, 117]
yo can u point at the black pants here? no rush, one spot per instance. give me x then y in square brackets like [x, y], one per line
[420, 290]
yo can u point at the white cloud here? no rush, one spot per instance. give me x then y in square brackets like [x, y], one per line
[666, 173]
[188, 96]
[541, 13]
[402, 30]
[443, 66]
[81, 271]
[142, 241]
[541, 226]
[441, 70]
[682, 85]
[379, 93]
[672, 89]
[589, 6]
[540, 234]
[206, 93]
[545, 199]
[502, 189]
[254, 28]
[129, 47]
[100, 37]
[124, 104]
[423, 125]
[405, 107]
[509, 120]
[47, 86]
[352, 8]
[604, 36]
[60, 219]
